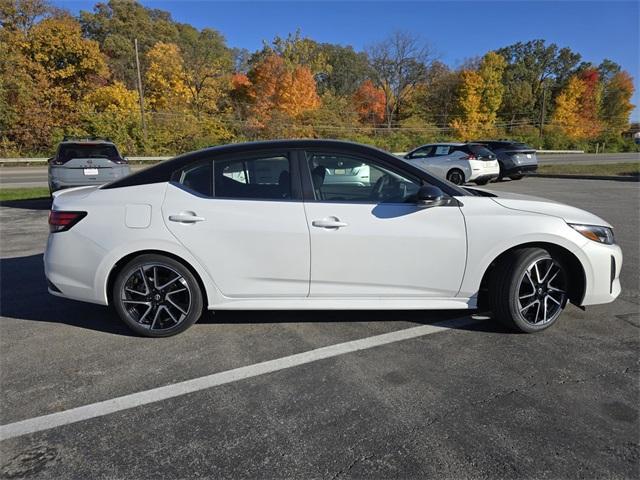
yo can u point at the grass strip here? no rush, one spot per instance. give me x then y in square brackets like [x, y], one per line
[622, 169]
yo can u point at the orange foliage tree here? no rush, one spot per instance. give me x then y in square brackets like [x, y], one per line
[369, 102]
[276, 88]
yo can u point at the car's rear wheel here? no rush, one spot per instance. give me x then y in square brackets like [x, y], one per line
[157, 296]
[482, 182]
[456, 176]
[516, 177]
[528, 290]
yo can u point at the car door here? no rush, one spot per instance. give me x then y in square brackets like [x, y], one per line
[243, 218]
[373, 240]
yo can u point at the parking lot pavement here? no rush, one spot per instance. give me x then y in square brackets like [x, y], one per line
[474, 401]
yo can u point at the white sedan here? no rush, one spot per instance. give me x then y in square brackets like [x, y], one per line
[457, 162]
[256, 226]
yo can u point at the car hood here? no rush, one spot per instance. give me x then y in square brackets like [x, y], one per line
[527, 203]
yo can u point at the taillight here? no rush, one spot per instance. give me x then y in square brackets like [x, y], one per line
[470, 157]
[63, 221]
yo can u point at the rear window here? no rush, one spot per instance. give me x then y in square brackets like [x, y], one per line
[68, 152]
[480, 151]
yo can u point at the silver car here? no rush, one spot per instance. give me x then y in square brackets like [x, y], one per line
[457, 162]
[81, 162]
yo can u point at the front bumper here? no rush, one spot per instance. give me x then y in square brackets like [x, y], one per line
[603, 279]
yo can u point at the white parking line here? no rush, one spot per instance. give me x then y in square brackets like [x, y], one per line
[145, 397]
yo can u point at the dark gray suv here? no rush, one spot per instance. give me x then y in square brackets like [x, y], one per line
[516, 159]
[88, 161]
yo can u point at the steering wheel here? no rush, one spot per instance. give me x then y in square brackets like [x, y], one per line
[388, 188]
[379, 186]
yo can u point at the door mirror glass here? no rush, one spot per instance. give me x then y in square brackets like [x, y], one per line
[429, 196]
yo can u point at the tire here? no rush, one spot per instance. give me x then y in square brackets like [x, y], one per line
[157, 296]
[516, 177]
[456, 176]
[528, 279]
[481, 182]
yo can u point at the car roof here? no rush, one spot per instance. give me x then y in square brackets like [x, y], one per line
[87, 142]
[451, 144]
[162, 172]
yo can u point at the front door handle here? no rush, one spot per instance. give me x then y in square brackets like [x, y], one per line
[186, 217]
[329, 222]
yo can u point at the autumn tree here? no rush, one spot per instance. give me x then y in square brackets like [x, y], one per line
[567, 115]
[398, 64]
[590, 102]
[165, 87]
[115, 24]
[479, 98]
[71, 61]
[616, 102]
[47, 66]
[369, 102]
[296, 50]
[277, 87]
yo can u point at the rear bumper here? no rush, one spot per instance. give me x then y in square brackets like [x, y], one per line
[485, 178]
[520, 170]
[70, 263]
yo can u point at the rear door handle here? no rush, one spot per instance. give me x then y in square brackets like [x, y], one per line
[329, 222]
[186, 217]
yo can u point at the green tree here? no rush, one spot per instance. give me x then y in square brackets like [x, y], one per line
[531, 67]
[115, 24]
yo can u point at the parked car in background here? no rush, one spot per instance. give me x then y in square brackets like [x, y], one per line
[457, 162]
[80, 162]
[516, 159]
[257, 226]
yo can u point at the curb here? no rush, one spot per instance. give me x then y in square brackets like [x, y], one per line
[617, 178]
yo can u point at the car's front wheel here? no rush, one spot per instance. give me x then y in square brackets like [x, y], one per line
[528, 290]
[456, 176]
[157, 296]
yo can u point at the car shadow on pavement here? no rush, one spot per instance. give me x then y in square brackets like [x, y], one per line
[24, 296]
[43, 203]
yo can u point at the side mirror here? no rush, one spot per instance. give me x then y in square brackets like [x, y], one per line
[429, 196]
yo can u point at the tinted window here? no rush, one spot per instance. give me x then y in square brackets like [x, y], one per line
[421, 152]
[479, 150]
[350, 179]
[197, 178]
[266, 178]
[69, 151]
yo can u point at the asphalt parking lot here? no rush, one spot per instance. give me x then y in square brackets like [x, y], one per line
[471, 401]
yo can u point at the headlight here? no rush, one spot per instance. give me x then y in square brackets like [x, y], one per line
[595, 233]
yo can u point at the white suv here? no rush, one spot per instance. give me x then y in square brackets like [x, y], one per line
[457, 162]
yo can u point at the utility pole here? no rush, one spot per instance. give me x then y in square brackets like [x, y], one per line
[544, 101]
[140, 94]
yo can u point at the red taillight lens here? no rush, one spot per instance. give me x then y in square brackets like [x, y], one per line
[63, 221]
[469, 157]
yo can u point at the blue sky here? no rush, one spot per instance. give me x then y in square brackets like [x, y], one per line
[456, 29]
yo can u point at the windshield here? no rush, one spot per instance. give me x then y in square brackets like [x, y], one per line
[81, 150]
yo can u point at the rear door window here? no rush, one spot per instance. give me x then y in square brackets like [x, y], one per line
[423, 152]
[262, 178]
[442, 150]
